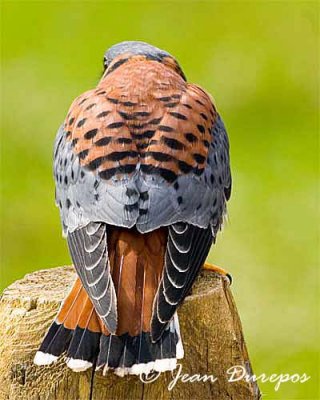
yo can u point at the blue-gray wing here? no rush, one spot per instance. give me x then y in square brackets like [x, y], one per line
[89, 252]
[188, 245]
[87, 240]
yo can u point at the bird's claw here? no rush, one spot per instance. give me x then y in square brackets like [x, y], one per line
[217, 270]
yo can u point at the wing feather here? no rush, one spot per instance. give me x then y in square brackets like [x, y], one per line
[89, 252]
[187, 249]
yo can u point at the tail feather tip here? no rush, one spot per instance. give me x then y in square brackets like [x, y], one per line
[44, 358]
[78, 365]
[165, 364]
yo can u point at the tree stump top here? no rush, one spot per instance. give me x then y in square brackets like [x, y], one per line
[211, 333]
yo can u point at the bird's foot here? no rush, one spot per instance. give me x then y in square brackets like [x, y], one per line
[217, 270]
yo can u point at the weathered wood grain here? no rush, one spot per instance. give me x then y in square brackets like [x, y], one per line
[210, 327]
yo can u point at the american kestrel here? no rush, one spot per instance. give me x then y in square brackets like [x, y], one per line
[141, 167]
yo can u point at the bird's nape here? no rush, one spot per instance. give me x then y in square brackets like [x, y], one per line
[124, 51]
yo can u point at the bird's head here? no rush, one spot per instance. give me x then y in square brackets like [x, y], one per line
[122, 52]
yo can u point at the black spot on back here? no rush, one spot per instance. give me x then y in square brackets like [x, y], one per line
[103, 141]
[121, 169]
[157, 155]
[129, 104]
[126, 116]
[91, 134]
[198, 171]
[137, 126]
[200, 102]
[172, 143]
[141, 114]
[166, 174]
[152, 57]
[191, 137]
[187, 106]
[155, 121]
[95, 164]
[143, 135]
[113, 101]
[178, 115]
[120, 155]
[103, 114]
[199, 158]
[82, 101]
[204, 116]
[81, 122]
[165, 128]
[184, 167]
[114, 125]
[167, 98]
[124, 140]
[116, 65]
[171, 105]
[206, 144]
[142, 146]
[90, 106]
[83, 154]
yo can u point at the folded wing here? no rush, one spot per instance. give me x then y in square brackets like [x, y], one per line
[89, 252]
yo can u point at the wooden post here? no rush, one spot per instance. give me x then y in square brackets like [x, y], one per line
[210, 328]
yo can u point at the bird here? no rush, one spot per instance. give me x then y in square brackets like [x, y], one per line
[142, 179]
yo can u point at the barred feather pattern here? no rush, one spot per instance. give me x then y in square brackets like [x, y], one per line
[88, 249]
[186, 251]
[145, 149]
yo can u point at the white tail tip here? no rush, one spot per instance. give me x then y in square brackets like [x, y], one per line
[44, 358]
[78, 365]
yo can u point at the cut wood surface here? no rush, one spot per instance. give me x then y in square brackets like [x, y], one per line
[210, 328]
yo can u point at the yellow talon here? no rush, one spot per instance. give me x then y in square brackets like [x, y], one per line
[218, 270]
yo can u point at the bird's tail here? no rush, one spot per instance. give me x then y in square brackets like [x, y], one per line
[76, 331]
[79, 333]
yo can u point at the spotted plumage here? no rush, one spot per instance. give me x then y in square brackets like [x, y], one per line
[142, 158]
[132, 116]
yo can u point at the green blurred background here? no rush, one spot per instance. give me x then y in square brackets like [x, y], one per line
[260, 62]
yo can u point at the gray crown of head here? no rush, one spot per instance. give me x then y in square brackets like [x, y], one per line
[134, 48]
